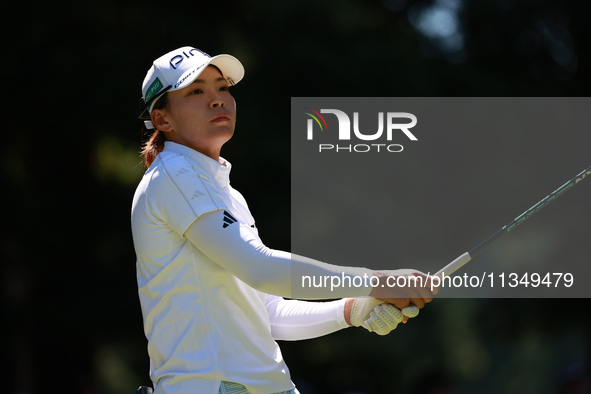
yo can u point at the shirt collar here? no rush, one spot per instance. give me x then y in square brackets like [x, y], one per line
[219, 170]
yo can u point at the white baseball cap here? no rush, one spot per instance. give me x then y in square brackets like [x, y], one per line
[178, 69]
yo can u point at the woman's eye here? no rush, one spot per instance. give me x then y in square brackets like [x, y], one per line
[197, 91]
[225, 88]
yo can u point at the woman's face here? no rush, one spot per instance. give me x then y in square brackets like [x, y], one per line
[202, 116]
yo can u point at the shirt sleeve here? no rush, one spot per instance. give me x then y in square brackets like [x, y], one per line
[237, 248]
[293, 320]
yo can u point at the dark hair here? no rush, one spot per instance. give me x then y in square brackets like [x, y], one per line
[154, 144]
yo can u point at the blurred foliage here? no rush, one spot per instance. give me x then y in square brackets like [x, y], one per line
[73, 72]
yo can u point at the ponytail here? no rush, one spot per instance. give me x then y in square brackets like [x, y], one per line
[152, 147]
[155, 143]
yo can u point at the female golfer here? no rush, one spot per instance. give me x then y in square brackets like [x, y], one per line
[210, 291]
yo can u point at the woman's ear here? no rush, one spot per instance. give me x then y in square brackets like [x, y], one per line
[160, 120]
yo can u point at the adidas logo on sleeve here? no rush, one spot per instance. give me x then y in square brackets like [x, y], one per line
[228, 219]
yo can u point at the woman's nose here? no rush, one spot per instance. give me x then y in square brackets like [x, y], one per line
[217, 102]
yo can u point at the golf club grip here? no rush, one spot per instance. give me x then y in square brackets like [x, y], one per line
[454, 265]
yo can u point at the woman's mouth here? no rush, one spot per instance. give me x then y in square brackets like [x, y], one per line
[222, 117]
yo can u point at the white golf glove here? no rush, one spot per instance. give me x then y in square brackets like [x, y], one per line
[377, 316]
[362, 307]
[386, 317]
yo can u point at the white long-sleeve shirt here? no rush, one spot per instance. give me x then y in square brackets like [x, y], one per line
[210, 290]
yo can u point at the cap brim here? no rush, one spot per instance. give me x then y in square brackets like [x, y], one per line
[231, 67]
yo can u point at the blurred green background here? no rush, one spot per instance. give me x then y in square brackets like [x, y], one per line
[72, 73]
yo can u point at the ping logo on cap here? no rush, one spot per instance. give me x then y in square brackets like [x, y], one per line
[176, 60]
[154, 88]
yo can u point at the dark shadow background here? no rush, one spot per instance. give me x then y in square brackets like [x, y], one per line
[72, 75]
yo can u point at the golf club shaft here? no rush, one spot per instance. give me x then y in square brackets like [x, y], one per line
[466, 257]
